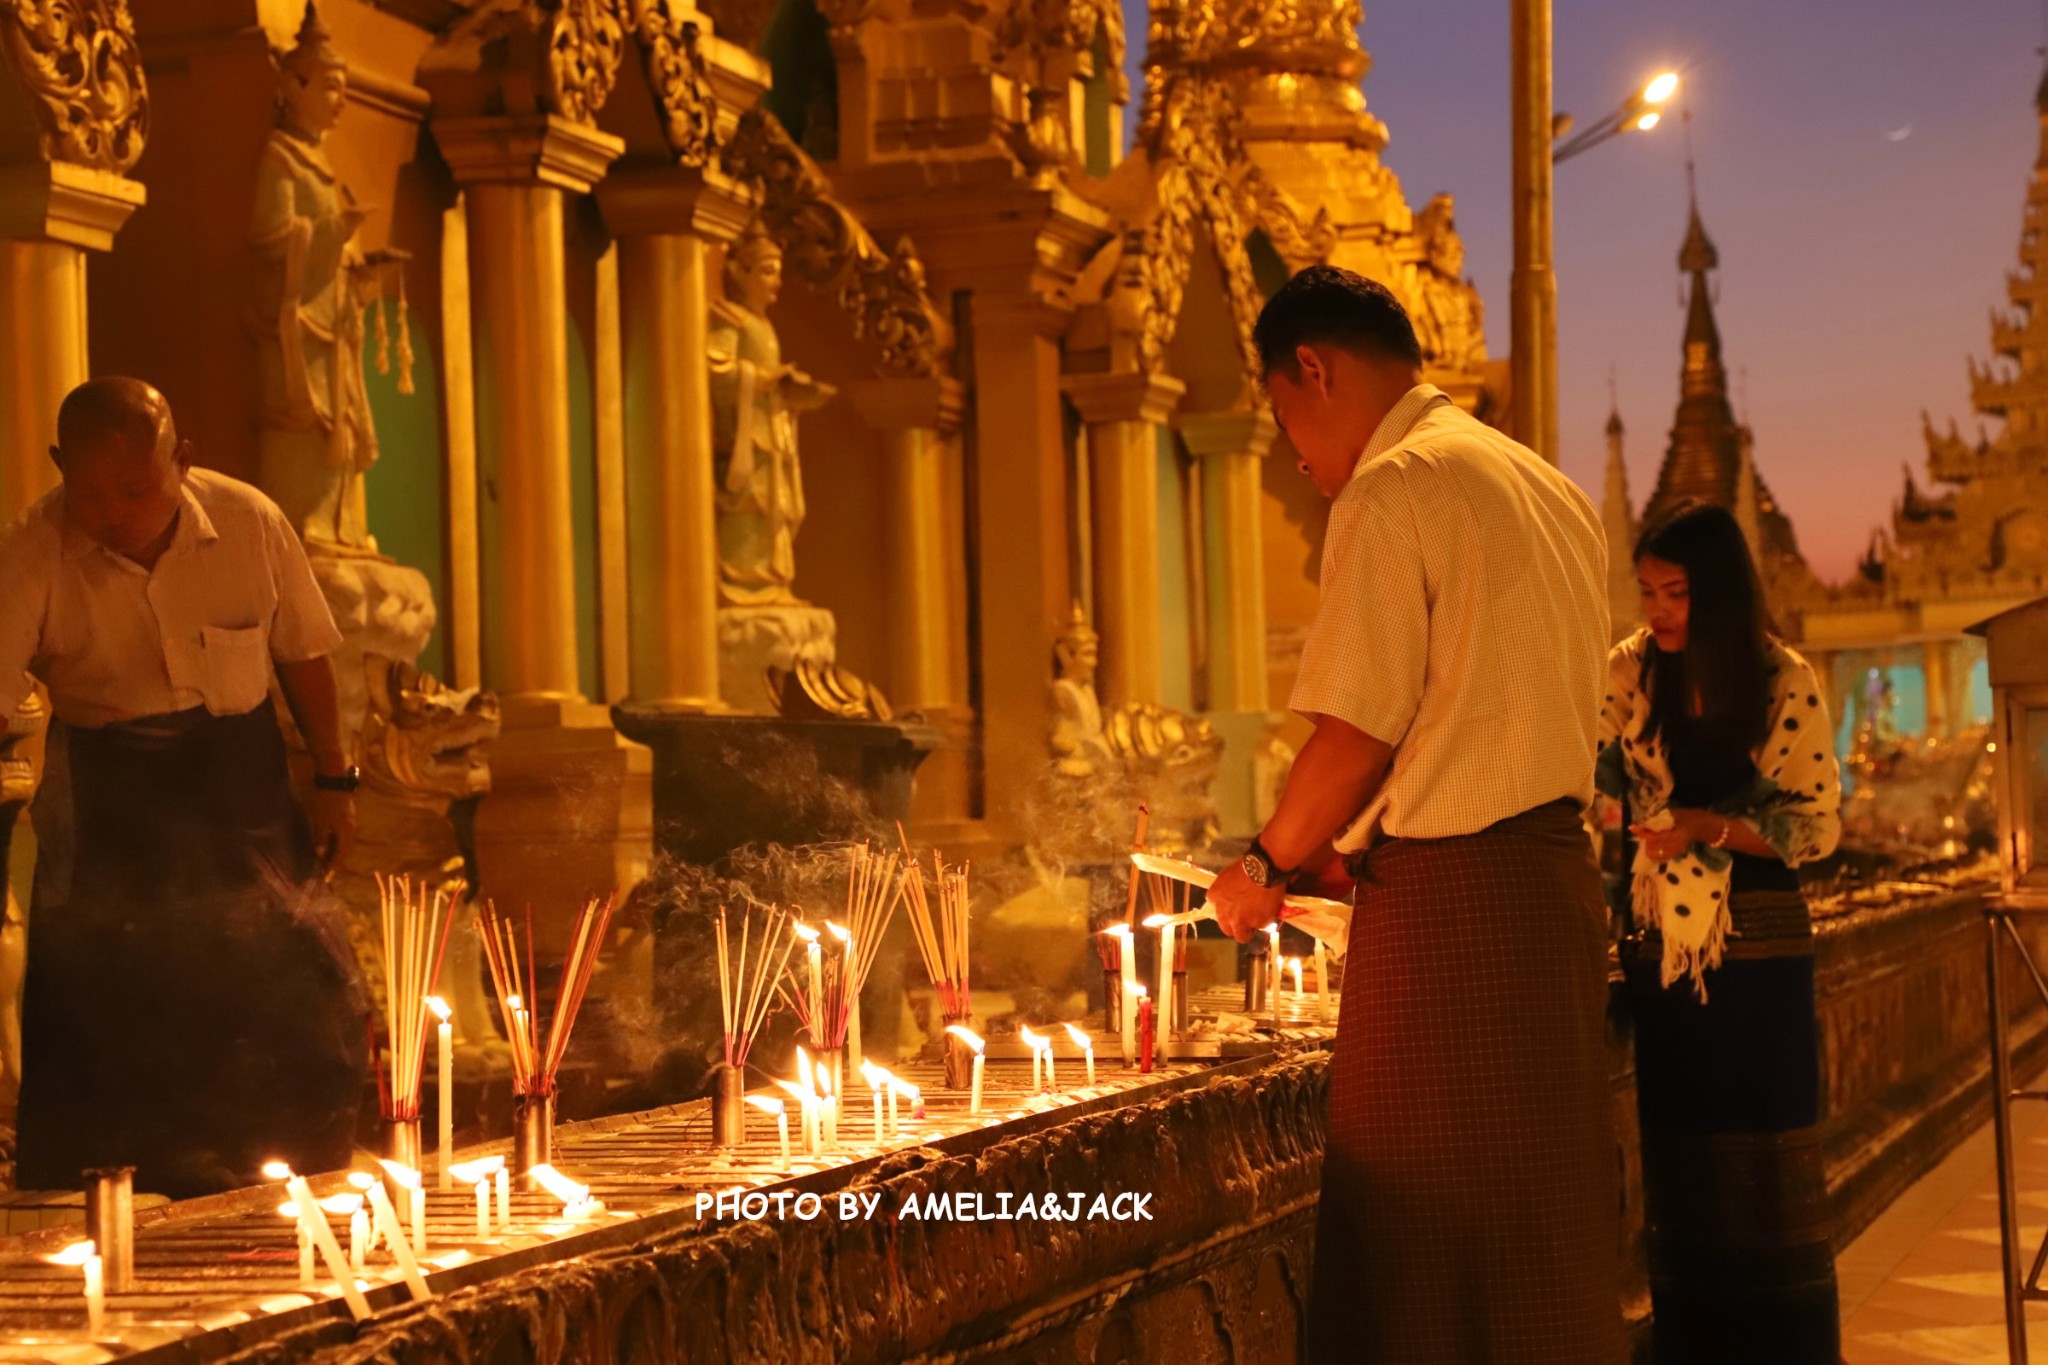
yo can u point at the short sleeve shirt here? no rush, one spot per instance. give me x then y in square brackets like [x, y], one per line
[114, 641]
[1462, 621]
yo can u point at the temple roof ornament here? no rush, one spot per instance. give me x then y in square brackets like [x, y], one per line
[671, 52]
[522, 57]
[79, 66]
[825, 245]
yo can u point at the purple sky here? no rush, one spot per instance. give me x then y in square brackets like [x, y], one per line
[1861, 168]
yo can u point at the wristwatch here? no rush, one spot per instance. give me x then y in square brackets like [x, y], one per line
[1260, 869]
[347, 780]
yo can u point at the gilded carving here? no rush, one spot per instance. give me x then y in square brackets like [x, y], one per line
[824, 245]
[1041, 28]
[83, 73]
[1301, 243]
[671, 52]
[1450, 321]
[586, 42]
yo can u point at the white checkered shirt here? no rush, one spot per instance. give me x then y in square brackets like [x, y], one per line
[1463, 621]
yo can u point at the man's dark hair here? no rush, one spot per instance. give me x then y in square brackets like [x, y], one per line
[113, 406]
[1327, 305]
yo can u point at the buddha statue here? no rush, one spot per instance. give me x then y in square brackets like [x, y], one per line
[315, 433]
[1080, 747]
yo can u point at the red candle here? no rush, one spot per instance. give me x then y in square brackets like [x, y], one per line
[1147, 1036]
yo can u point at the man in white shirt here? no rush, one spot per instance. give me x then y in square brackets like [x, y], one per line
[1453, 674]
[186, 1009]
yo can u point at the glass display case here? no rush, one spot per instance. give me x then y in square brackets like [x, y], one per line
[2017, 645]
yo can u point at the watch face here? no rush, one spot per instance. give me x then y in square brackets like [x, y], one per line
[1255, 868]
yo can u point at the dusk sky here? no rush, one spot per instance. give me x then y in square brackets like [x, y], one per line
[1861, 168]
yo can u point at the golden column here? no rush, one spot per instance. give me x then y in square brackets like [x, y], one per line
[52, 213]
[667, 220]
[1935, 670]
[1233, 445]
[1125, 414]
[571, 811]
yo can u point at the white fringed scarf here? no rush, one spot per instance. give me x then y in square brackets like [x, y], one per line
[1794, 804]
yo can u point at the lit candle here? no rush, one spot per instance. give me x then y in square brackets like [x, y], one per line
[291, 1211]
[86, 1256]
[973, 1040]
[845, 937]
[315, 1225]
[1322, 981]
[899, 1086]
[577, 1204]
[1087, 1046]
[770, 1104]
[503, 1180]
[351, 1207]
[1127, 961]
[878, 1081]
[1294, 967]
[828, 1103]
[416, 1201]
[1041, 1057]
[807, 1097]
[483, 1209]
[1164, 924]
[394, 1237]
[1147, 1032]
[816, 953]
[478, 1175]
[446, 1111]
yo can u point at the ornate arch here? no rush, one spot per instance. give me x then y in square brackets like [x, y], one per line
[80, 68]
[670, 39]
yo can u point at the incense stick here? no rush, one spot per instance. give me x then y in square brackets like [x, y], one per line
[941, 936]
[415, 923]
[743, 981]
[536, 1064]
[874, 888]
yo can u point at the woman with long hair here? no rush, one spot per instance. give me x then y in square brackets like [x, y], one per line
[1716, 735]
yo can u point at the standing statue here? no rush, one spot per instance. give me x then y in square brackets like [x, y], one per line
[756, 399]
[767, 635]
[315, 433]
[1080, 745]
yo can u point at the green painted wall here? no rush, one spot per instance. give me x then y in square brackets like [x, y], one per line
[406, 487]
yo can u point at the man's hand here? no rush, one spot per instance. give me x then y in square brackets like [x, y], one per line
[334, 826]
[1242, 908]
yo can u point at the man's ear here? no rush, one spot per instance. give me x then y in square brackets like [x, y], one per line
[181, 456]
[57, 458]
[1315, 369]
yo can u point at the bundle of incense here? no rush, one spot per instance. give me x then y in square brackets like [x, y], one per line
[743, 979]
[942, 933]
[824, 1003]
[416, 923]
[536, 1064]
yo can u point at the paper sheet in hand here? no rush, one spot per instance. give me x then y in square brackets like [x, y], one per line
[1322, 919]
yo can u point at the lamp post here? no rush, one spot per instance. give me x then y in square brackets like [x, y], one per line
[1532, 357]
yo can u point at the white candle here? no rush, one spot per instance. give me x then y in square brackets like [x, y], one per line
[86, 1256]
[483, 1209]
[415, 1206]
[394, 1237]
[1273, 969]
[315, 1223]
[898, 1086]
[1322, 981]
[358, 1226]
[1127, 962]
[1165, 993]
[1294, 967]
[828, 1104]
[973, 1040]
[1041, 1054]
[845, 937]
[878, 1080]
[1087, 1046]
[895, 1125]
[445, 1113]
[504, 1183]
[291, 1211]
[769, 1104]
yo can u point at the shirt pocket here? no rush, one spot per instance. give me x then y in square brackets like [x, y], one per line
[237, 677]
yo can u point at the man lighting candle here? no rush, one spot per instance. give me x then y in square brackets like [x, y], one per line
[190, 1006]
[1453, 674]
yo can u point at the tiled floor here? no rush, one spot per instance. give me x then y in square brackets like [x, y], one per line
[1921, 1285]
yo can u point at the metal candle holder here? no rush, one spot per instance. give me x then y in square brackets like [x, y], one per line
[1112, 1000]
[958, 1058]
[728, 1107]
[110, 1223]
[1255, 984]
[402, 1143]
[533, 1137]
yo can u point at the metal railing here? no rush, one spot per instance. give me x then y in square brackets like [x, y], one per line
[2003, 916]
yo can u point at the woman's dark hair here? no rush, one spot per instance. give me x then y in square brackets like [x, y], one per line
[1726, 654]
[1332, 306]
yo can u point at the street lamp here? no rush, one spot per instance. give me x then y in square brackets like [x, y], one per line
[1639, 113]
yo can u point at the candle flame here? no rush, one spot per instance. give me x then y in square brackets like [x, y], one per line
[276, 1170]
[342, 1203]
[876, 1076]
[843, 935]
[805, 932]
[78, 1253]
[823, 1074]
[967, 1036]
[559, 1185]
[440, 1008]
[803, 1095]
[404, 1175]
[1034, 1041]
[1120, 930]
[478, 1171]
[1157, 921]
[288, 1209]
[1273, 929]
[906, 1089]
[1137, 988]
[769, 1103]
[362, 1180]
[514, 1002]
[1081, 1040]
